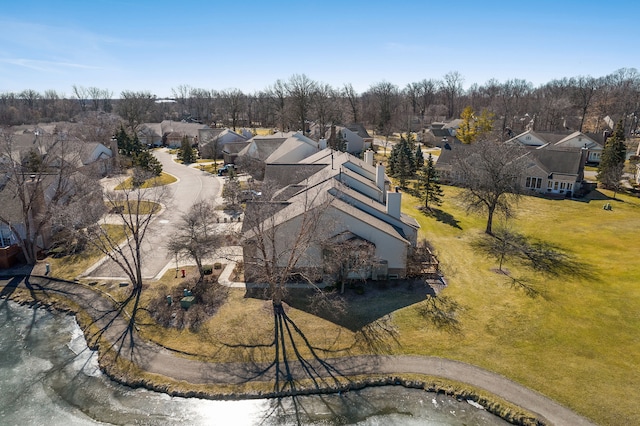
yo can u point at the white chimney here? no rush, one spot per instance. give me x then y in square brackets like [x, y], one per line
[322, 144]
[368, 157]
[380, 176]
[394, 200]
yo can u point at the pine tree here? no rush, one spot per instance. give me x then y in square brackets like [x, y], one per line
[430, 184]
[402, 162]
[612, 160]
[419, 156]
[185, 153]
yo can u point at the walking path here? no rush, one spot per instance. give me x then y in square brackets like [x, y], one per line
[155, 359]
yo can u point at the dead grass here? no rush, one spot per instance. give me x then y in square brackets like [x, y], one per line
[163, 179]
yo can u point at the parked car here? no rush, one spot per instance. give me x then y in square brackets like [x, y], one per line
[224, 170]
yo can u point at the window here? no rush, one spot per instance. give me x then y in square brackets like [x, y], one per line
[5, 238]
[533, 183]
[555, 186]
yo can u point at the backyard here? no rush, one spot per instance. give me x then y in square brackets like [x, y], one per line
[575, 340]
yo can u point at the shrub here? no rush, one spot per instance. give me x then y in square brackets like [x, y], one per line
[217, 265]
[207, 269]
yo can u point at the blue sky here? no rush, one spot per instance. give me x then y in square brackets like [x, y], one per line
[159, 45]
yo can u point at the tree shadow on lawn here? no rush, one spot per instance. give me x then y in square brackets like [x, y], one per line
[364, 302]
[441, 216]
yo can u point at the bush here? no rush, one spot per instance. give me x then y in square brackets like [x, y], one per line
[207, 269]
[217, 265]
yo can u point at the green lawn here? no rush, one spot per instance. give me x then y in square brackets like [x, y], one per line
[578, 342]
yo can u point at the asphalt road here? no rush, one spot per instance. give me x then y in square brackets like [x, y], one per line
[193, 185]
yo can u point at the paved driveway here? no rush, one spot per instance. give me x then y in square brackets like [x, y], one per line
[193, 185]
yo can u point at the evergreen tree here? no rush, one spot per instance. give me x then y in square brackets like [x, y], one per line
[127, 145]
[419, 156]
[147, 162]
[430, 184]
[185, 153]
[402, 162]
[612, 160]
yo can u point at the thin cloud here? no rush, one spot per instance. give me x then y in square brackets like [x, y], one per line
[49, 66]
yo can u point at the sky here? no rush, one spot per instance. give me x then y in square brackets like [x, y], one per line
[159, 45]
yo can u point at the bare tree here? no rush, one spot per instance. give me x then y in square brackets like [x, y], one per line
[452, 89]
[281, 247]
[490, 172]
[134, 107]
[277, 95]
[584, 89]
[234, 102]
[195, 237]
[301, 91]
[353, 100]
[38, 186]
[386, 98]
[134, 208]
[325, 107]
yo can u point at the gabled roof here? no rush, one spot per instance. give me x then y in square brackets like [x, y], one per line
[359, 129]
[260, 148]
[296, 143]
[557, 160]
[181, 128]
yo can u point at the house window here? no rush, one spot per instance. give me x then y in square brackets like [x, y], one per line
[562, 184]
[5, 238]
[549, 184]
[555, 186]
[569, 186]
[533, 183]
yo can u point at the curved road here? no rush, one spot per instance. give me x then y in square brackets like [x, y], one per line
[154, 359]
[193, 185]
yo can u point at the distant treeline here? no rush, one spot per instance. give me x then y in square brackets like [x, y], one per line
[584, 103]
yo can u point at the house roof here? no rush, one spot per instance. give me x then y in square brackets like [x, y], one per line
[552, 159]
[181, 128]
[567, 161]
[295, 142]
[359, 129]
[234, 147]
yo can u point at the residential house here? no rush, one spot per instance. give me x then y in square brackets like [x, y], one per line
[280, 148]
[150, 134]
[173, 132]
[589, 143]
[354, 136]
[550, 170]
[351, 199]
[212, 141]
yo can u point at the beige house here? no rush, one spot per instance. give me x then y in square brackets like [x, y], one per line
[576, 140]
[349, 199]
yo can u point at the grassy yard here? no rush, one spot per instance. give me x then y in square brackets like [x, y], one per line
[163, 179]
[69, 267]
[576, 342]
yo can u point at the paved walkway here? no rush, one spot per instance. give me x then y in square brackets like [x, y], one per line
[154, 359]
